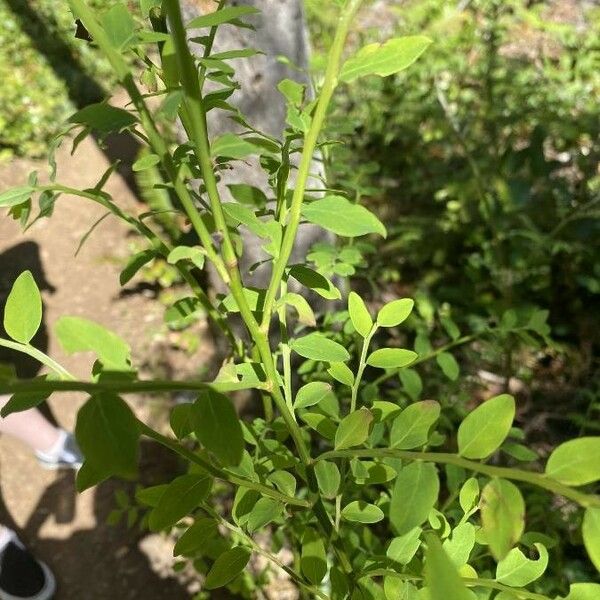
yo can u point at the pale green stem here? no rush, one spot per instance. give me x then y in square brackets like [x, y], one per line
[159, 245]
[215, 471]
[120, 387]
[539, 480]
[361, 368]
[260, 550]
[310, 142]
[468, 581]
[38, 355]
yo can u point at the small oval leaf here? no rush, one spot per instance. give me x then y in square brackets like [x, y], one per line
[359, 315]
[354, 429]
[23, 310]
[362, 512]
[391, 358]
[575, 462]
[317, 347]
[227, 567]
[485, 428]
[394, 313]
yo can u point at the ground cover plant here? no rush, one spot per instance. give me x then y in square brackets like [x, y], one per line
[374, 498]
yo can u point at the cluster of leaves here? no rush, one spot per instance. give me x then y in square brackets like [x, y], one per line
[488, 153]
[377, 497]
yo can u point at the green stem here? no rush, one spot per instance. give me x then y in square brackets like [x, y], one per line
[159, 245]
[468, 581]
[260, 550]
[310, 142]
[216, 472]
[361, 368]
[120, 387]
[155, 138]
[539, 480]
[38, 355]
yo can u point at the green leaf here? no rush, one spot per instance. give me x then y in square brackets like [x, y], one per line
[196, 536]
[230, 145]
[76, 334]
[225, 15]
[385, 59]
[103, 117]
[402, 549]
[411, 428]
[15, 196]
[23, 309]
[183, 312]
[313, 560]
[359, 315]
[306, 316]
[517, 570]
[414, 494]
[591, 534]
[502, 516]
[485, 428]
[23, 401]
[317, 347]
[284, 481]
[448, 365]
[394, 313]
[469, 495]
[118, 25]
[218, 428]
[328, 478]
[263, 512]
[575, 462]
[460, 545]
[391, 358]
[412, 383]
[145, 162]
[441, 576]
[362, 512]
[320, 423]
[150, 496]
[227, 567]
[311, 394]
[342, 217]
[354, 429]
[315, 281]
[107, 433]
[341, 372]
[195, 254]
[134, 264]
[584, 591]
[182, 496]
[181, 420]
[383, 410]
[292, 90]
[247, 194]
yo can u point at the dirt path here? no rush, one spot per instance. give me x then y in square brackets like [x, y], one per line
[91, 559]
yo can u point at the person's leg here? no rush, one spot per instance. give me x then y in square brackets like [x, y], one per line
[54, 447]
[31, 427]
[21, 574]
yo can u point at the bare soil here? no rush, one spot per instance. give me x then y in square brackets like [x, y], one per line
[91, 559]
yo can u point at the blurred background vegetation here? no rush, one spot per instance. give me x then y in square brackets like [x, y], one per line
[482, 159]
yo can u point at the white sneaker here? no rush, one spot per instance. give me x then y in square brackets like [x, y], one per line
[65, 455]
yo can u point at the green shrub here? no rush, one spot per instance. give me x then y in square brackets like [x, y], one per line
[44, 73]
[376, 496]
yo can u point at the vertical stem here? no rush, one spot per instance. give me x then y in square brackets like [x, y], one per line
[310, 142]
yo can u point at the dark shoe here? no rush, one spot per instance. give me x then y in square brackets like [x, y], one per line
[22, 577]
